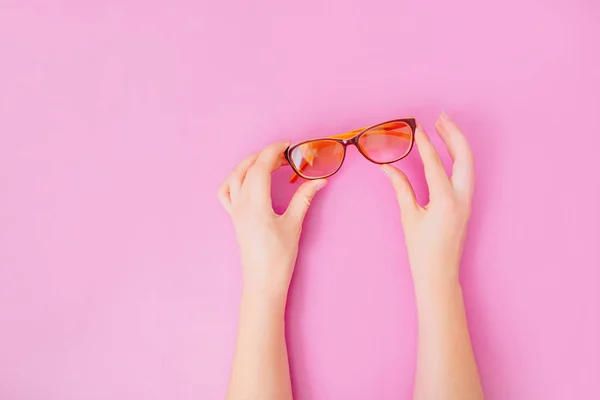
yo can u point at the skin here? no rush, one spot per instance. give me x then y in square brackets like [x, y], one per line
[435, 234]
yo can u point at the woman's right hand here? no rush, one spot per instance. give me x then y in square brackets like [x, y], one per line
[435, 233]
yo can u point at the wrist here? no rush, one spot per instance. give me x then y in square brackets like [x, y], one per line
[262, 301]
[433, 298]
[437, 305]
[438, 286]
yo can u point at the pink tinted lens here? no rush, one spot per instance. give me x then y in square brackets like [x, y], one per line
[318, 158]
[387, 142]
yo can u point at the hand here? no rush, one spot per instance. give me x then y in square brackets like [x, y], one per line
[435, 233]
[268, 242]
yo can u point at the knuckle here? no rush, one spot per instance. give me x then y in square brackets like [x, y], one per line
[237, 210]
[254, 171]
[258, 168]
[398, 184]
[436, 161]
[469, 152]
[468, 156]
[405, 198]
[236, 180]
[399, 190]
[448, 203]
[471, 158]
[222, 192]
[236, 174]
[306, 200]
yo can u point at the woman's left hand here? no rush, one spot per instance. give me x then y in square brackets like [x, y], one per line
[268, 242]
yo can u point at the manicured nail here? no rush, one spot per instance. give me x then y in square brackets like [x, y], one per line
[321, 185]
[384, 169]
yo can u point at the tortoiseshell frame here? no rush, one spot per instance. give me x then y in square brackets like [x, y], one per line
[347, 138]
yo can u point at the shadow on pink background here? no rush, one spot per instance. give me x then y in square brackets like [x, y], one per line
[119, 274]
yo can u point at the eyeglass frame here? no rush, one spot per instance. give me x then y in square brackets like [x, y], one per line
[351, 138]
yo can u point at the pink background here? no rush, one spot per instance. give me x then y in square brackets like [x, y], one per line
[119, 275]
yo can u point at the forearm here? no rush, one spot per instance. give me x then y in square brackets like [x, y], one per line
[446, 367]
[260, 367]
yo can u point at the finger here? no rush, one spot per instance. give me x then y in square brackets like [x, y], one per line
[272, 155]
[229, 190]
[460, 152]
[302, 199]
[224, 197]
[258, 179]
[436, 177]
[236, 179]
[404, 191]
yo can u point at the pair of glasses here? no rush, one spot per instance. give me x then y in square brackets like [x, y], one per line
[383, 143]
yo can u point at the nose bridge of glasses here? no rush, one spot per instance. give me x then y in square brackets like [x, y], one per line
[349, 141]
[348, 136]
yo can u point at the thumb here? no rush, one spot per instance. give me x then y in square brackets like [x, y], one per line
[404, 191]
[302, 199]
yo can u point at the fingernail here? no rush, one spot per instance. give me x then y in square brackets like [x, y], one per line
[384, 169]
[445, 116]
[321, 185]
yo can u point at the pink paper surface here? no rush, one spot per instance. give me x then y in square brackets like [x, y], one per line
[119, 275]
